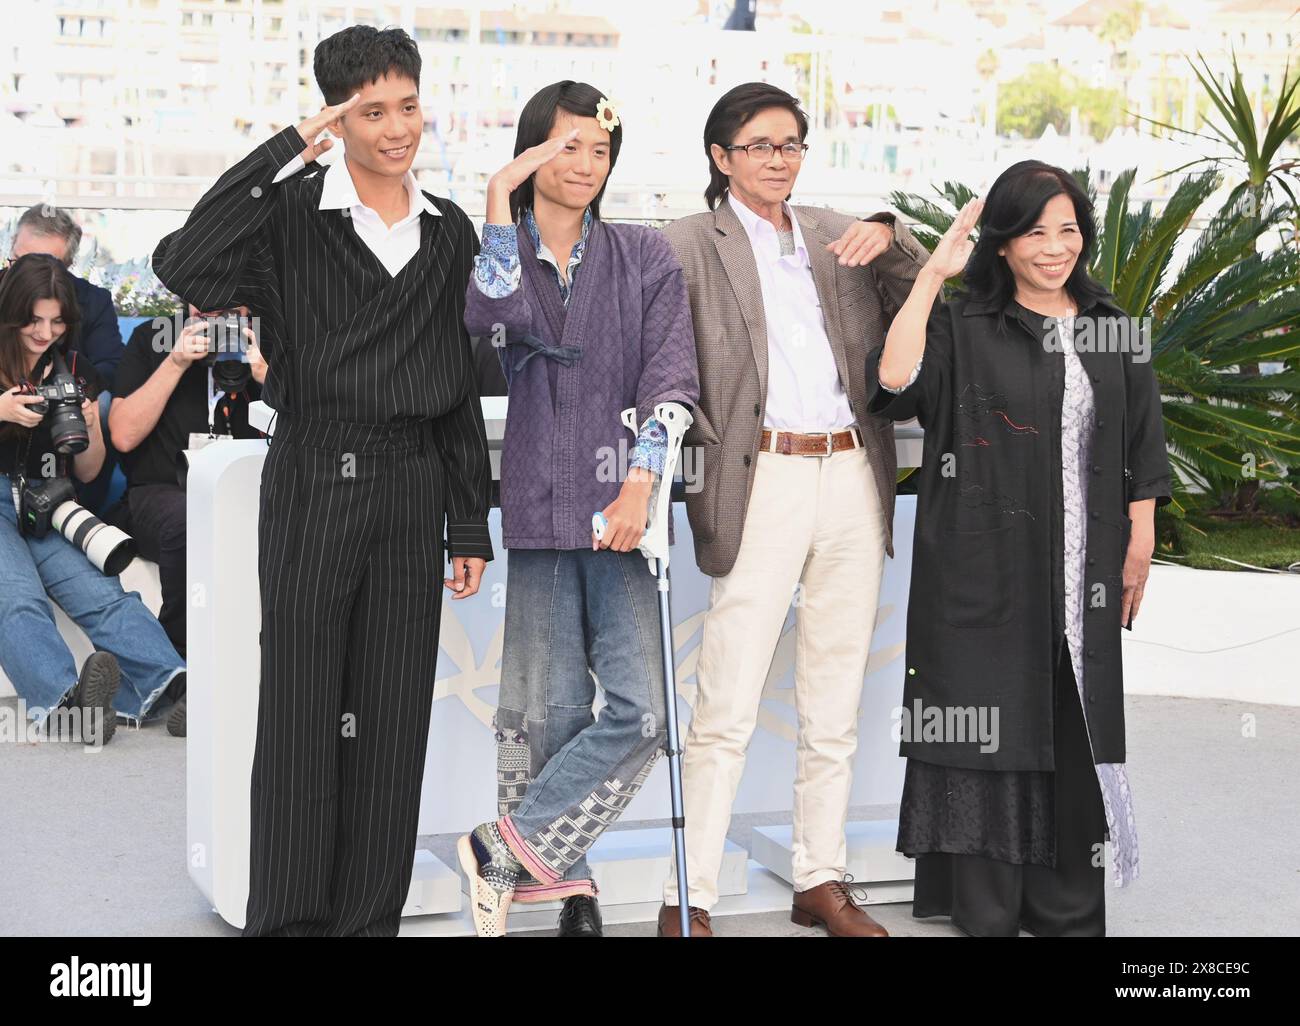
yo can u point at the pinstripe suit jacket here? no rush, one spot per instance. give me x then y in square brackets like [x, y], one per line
[344, 339]
[731, 348]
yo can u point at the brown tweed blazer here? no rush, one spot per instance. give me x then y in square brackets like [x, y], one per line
[731, 347]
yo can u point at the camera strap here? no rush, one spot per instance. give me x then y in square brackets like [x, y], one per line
[38, 371]
[213, 400]
[19, 479]
[215, 395]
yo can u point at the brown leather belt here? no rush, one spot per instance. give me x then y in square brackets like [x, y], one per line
[822, 443]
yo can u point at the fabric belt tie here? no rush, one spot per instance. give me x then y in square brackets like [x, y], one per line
[566, 355]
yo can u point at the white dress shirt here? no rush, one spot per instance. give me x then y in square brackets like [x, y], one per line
[804, 391]
[393, 246]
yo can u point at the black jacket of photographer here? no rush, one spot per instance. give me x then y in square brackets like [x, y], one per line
[986, 617]
[157, 459]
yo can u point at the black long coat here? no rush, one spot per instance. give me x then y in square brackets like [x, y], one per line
[985, 619]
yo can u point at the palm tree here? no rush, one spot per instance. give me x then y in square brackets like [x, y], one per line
[1256, 161]
[1213, 318]
[1253, 160]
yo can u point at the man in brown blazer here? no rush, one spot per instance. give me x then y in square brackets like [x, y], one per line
[792, 498]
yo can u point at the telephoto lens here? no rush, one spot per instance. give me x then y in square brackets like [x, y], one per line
[51, 503]
[104, 545]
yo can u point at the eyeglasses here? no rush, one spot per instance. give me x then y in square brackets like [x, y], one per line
[764, 150]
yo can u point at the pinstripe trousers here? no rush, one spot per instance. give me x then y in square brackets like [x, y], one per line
[351, 560]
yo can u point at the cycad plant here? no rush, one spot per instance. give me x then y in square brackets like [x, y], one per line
[1214, 317]
[1249, 146]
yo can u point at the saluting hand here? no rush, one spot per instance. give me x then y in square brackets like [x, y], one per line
[954, 248]
[317, 123]
[522, 167]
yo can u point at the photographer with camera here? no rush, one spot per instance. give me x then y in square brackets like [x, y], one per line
[51, 548]
[178, 387]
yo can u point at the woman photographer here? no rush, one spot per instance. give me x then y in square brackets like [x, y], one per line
[134, 662]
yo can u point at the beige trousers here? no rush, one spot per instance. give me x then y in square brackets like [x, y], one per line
[814, 537]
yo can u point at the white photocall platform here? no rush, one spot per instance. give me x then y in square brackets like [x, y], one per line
[459, 773]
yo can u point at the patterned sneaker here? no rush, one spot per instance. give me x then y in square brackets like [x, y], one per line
[492, 871]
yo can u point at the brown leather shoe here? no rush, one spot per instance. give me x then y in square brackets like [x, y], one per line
[670, 922]
[831, 905]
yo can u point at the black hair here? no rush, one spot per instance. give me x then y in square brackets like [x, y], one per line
[730, 114]
[359, 55]
[536, 121]
[1012, 207]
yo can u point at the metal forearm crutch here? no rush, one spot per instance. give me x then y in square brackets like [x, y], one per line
[675, 419]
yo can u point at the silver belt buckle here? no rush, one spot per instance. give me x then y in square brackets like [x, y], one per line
[829, 445]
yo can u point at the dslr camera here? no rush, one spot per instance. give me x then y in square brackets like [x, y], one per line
[61, 398]
[227, 357]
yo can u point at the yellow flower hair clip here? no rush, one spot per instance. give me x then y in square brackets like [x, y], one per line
[606, 115]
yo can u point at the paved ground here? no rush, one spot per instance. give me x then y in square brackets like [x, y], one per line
[95, 843]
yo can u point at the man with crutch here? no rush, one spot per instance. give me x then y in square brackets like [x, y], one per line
[592, 318]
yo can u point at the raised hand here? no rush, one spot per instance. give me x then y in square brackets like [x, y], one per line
[954, 248]
[522, 167]
[317, 123]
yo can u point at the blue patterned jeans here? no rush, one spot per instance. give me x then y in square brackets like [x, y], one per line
[564, 775]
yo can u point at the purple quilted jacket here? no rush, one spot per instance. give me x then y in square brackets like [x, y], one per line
[625, 339]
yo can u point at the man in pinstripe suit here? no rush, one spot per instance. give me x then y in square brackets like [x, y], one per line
[359, 280]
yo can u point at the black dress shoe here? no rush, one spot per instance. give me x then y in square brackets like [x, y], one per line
[580, 917]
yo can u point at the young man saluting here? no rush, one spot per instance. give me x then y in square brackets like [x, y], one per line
[359, 280]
